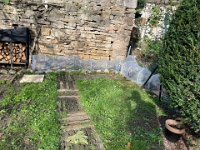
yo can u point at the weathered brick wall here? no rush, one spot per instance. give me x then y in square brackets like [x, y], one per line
[90, 29]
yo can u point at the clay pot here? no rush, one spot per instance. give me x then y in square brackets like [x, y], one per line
[171, 125]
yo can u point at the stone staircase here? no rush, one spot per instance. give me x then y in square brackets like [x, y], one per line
[74, 118]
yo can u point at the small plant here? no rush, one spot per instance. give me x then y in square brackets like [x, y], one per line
[153, 47]
[6, 1]
[78, 138]
[156, 16]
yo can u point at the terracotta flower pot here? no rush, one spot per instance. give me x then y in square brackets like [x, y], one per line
[171, 125]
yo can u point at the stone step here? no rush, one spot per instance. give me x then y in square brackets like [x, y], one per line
[79, 113]
[67, 85]
[63, 92]
[63, 85]
[69, 104]
[76, 118]
[66, 97]
[81, 120]
[77, 126]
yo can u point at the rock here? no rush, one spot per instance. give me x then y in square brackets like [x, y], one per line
[98, 71]
[29, 13]
[130, 3]
[46, 31]
[32, 78]
[10, 9]
[12, 72]
[106, 71]
[3, 71]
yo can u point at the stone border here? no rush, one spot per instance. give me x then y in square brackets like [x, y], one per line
[45, 63]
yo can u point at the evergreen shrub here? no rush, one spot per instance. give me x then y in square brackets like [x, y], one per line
[180, 62]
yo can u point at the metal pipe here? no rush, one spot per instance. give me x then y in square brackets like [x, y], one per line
[129, 51]
[160, 92]
[150, 75]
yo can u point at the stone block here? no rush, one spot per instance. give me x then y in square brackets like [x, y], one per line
[128, 21]
[29, 13]
[130, 3]
[46, 31]
[32, 78]
[8, 9]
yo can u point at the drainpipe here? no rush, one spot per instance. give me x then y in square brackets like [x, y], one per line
[129, 51]
[45, 3]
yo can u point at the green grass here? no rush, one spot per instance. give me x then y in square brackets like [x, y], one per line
[122, 113]
[29, 116]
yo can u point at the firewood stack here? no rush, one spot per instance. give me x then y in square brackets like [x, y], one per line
[18, 53]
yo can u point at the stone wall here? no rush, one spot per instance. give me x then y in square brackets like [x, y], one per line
[174, 2]
[89, 29]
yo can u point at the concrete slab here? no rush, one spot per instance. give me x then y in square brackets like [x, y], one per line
[32, 78]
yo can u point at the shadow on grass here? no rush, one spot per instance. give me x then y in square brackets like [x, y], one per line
[143, 123]
[171, 114]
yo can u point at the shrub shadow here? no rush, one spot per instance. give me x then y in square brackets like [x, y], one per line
[143, 123]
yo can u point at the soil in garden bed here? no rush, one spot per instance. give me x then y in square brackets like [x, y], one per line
[9, 85]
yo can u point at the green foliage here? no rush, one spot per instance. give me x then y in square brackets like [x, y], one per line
[153, 47]
[141, 4]
[156, 16]
[78, 138]
[33, 117]
[180, 62]
[118, 110]
[6, 1]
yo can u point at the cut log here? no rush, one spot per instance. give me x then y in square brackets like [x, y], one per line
[23, 48]
[14, 59]
[18, 52]
[8, 57]
[23, 58]
[17, 60]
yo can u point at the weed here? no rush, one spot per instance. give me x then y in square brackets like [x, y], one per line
[156, 16]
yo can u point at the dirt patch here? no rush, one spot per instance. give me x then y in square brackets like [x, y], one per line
[172, 141]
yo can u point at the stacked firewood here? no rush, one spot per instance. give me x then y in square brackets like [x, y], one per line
[15, 52]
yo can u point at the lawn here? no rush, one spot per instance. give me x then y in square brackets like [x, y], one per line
[29, 117]
[123, 114]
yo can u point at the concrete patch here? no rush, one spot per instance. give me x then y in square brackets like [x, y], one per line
[32, 78]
